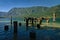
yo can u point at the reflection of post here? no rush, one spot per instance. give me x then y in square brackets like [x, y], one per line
[32, 35]
[54, 25]
[15, 36]
[26, 28]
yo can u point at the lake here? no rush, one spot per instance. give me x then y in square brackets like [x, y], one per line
[24, 33]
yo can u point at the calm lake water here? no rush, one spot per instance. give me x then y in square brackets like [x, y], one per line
[24, 33]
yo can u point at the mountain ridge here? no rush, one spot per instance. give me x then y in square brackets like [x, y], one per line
[35, 11]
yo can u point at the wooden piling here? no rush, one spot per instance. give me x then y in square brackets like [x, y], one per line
[40, 22]
[6, 27]
[11, 21]
[26, 22]
[15, 26]
[38, 26]
[32, 21]
[47, 21]
[54, 17]
[20, 24]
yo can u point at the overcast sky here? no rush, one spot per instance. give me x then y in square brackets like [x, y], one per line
[6, 5]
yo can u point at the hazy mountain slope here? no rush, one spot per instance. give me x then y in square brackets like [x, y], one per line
[3, 14]
[32, 11]
[36, 11]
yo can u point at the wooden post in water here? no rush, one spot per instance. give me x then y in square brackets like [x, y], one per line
[11, 21]
[41, 19]
[35, 21]
[32, 21]
[27, 22]
[38, 26]
[47, 21]
[15, 30]
[6, 27]
[54, 17]
[15, 26]
[20, 24]
[40, 22]
[26, 19]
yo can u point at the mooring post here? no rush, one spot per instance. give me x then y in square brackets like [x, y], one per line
[20, 24]
[15, 26]
[26, 19]
[11, 21]
[54, 17]
[32, 21]
[38, 26]
[27, 22]
[6, 27]
[40, 22]
[35, 22]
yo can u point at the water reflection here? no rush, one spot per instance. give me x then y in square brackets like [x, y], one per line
[32, 35]
[27, 28]
[54, 24]
[41, 34]
[15, 36]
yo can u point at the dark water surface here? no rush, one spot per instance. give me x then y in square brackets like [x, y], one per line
[24, 33]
